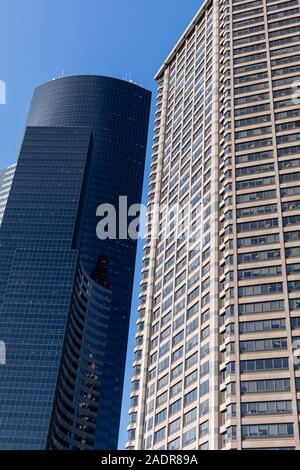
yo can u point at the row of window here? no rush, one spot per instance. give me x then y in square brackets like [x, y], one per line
[267, 430]
[263, 345]
[262, 325]
[270, 254]
[188, 437]
[256, 241]
[268, 271]
[265, 289]
[266, 407]
[263, 386]
[279, 363]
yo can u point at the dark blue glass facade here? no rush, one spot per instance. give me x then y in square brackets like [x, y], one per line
[64, 294]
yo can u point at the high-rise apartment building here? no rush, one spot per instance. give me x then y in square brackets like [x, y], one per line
[6, 179]
[219, 317]
[65, 294]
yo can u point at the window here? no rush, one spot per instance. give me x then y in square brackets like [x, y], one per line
[257, 225]
[162, 398]
[204, 388]
[246, 49]
[164, 349]
[290, 191]
[248, 21]
[177, 371]
[161, 416]
[295, 322]
[262, 325]
[254, 183]
[257, 210]
[280, 363]
[176, 389]
[191, 378]
[189, 437]
[192, 310]
[292, 252]
[252, 109]
[263, 345]
[177, 354]
[252, 98]
[175, 407]
[258, 256]
[252, 120]
[192, 360]
[257, 196]
[192, 296]
[159, 435]
[251, 88]
[230, 434]
[294, 304]
[294, 286]
[175, 444]
[289, 236]
[243, 6]
[252, 145]
[174, 426]
[190, 397]
[190, 416]
[149, 425]
[204, 408]
[262, 289]
[268, 271]
[205, 333]
[266, 408]
[191, 327]
[271, 385]
[267, 430]
[163, 365]
[204, 428]
[204, 369]
[204, 350]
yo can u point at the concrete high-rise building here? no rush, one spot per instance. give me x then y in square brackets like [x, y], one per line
[219, 317]
[6, 179]
[65, 294]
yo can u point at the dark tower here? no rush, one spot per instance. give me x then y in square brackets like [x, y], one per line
[65, 295]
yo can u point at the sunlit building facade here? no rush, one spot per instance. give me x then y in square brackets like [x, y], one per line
[6, 179]
[215, 362]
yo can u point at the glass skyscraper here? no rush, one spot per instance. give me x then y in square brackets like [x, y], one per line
[219, 317]
[6, 179]
[65, 295]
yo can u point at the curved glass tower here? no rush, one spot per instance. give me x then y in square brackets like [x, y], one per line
[65, 294]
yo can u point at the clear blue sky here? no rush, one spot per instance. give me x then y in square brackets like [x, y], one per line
[42, 38]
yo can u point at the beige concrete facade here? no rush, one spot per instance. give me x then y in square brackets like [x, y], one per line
[219, 317]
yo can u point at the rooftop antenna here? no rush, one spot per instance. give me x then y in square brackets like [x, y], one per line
[62, 74]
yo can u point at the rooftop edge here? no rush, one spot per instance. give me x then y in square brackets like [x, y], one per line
[182, 39]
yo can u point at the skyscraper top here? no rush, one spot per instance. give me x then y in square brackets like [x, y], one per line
[183, 38]
[90, 76]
